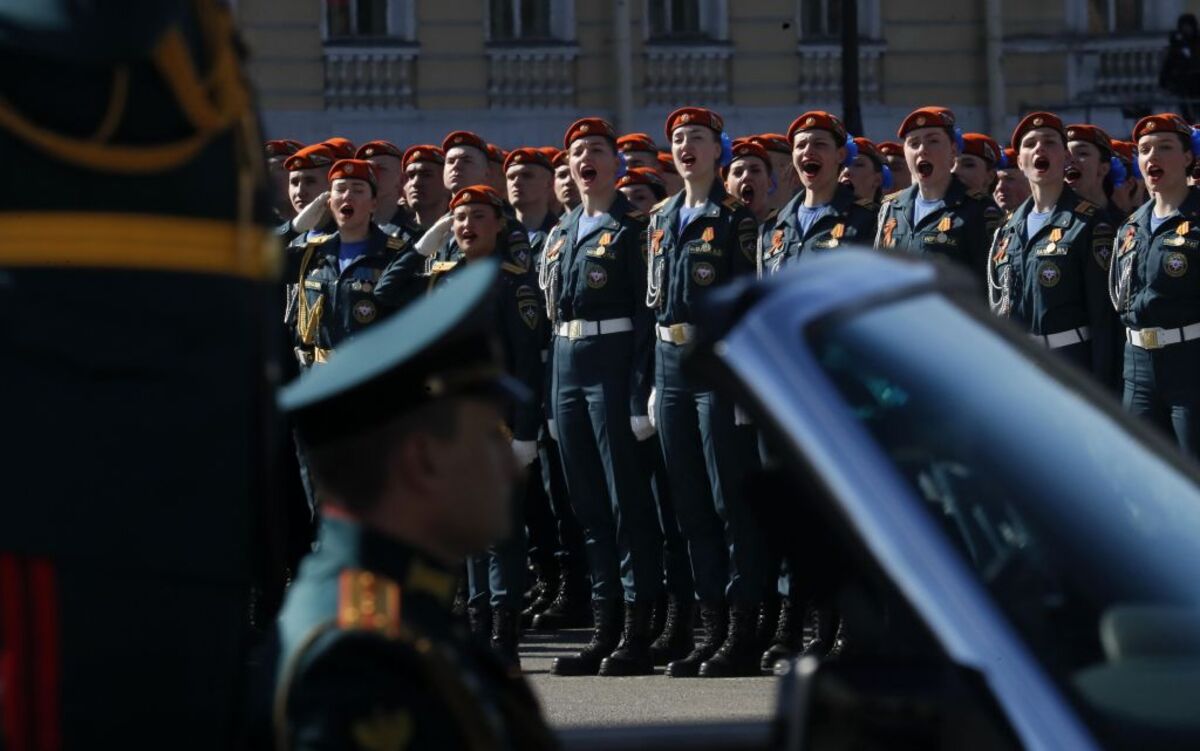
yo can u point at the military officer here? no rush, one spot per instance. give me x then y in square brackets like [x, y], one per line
[387, 159]
[1012, 187]
[977, 164]
[1130, 194]
[699, 239]
[425, 195]
[308, 182]
[593, 275]
[938, 215]
[1049, 262]
[865, 174]
[893, 156]
[566, 192]
[1153, 282]
[335, 293]
[639, 150]
[750, 178]
[643, 186]
[825, 214]
[405, 431]
[786, 181]
[277, 152]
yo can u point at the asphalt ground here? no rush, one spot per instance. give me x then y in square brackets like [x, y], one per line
[652, 699]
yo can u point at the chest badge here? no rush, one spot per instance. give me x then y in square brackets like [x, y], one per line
[777, 239]
[1002, 251]
[943, 226]
[708, 234]
[606, 238]
[1127, 243]
[597, 277]
[1175, 264]
[889, 229]
[1055, 235]
[656, 242]
[364, 311]
[704, 274]
[1049, 275]
[555, 249]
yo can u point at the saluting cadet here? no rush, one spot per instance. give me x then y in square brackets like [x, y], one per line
[893, 156]
[700, 239]
[1131, 194]
[593, 275]
[643, 186]
[1049, 262]
[277, 153]
[937, 216]
[387, 159]
[1155, 284]
[405, 431]
[866, 175]
[336, 274]
[639, 151]
[425, 193]
[308, 180]
[977, 164]
[787, 181]
[1012, 187]
[750, 178]
[825, 214]
[566, 192]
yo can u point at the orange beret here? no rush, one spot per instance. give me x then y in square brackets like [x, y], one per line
[477, 194]
[559, 160]
[667, 162]
[926, 117]
[890, 148]
[1090, 134]
[496, 154]
[818, 120]
[867, 148]
[550, 152]
[743, 148]
[527, 155]
[342, 148]
[776, 142]
[378, 148]
[982, 146]
[1036, 120]
[589, 126]
[642, 176]
[1124, 150]
[310, 157]
[281, 147]
[1010, 158]
[464, 138]
[1167, 122]
[424, 152]
[694, 116]
[636, 142]
[352, 169]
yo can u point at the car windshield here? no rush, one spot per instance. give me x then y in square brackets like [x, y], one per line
[1086, 534]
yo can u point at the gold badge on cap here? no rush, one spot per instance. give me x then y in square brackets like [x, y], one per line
[1038, 122]
[921, 121]
[1150, 125]
[419, 155]
[810, 122]
[686, 117]
[584, 128]
[1070, 134]
[370, 152]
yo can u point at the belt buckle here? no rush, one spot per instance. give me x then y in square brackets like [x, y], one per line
[575, 329]
[678, 334]
[1150, 339]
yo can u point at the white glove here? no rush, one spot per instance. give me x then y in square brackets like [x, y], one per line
[650, 408]
[315, 214]
[552, 429]
[740, 417]
[525, 452]
[435, 236]
[642, 427]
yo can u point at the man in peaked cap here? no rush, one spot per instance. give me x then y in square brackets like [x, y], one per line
[404, 428]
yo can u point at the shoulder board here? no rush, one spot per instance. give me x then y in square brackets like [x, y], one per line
[867, 203]
[731, 202]
[893, 196]
[440, 267]
[512, 268]
[1086, 208]
[660, 204]
[396, 242]
[640, 216]
[368, 602]
[771, 214]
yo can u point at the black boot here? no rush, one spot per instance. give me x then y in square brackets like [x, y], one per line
[820, 623]
[675, 640]
[659, 621]
[570, 606]
[788, 638]
[713, 621]
[632, 655]
[479, 622]
[607, 616]
[768, 621]
[506, 632]
[544, 592]
[839, 646]
[739, 655]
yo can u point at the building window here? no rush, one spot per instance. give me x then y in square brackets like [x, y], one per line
[368, 20]
[1114, 16]
[822, 19]
[686, 20]
[530, 20]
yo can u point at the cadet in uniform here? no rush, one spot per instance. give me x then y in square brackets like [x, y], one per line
[593, 275]
[425, 195]
[1131, 194]
[566, 192]
[277, 153]
[699, 239]
[937, 216]
[1012, 187]
[307, 180]
[977, 164]
[639, 151]
[405, 431]
[495, 167]
[387, 160]
[786, 181]
[530, 185]
[893, 156]
[1154, 284]
[865, 174]
[1090, 168]
[643, 186]
[342, 148]
[670, 175]
[1049, 262]
[825, 214]
[750, 178]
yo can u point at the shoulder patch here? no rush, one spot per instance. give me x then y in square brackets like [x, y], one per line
[368, 602]
[731, 202]
[1085, 208]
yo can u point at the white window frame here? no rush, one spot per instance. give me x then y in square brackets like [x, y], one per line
[870, 19]
[1157, 15]
[714, 20]
[401, 20]
[562, 22]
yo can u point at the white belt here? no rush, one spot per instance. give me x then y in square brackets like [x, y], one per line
[1063, 338]
[580, 329]
[1156, 338]
[676, 333]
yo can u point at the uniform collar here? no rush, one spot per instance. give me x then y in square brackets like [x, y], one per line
[347, 544]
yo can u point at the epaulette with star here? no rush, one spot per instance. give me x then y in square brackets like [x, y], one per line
[1085, 208]
[368, 602]
[733, 203]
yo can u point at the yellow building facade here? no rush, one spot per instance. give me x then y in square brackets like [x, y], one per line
[518, 71]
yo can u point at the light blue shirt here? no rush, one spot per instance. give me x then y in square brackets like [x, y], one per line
[587, 225]
[1156, 222]
[1034, 221]
[807, 216]
[687, 214]
[923, 208]
[349, 251]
